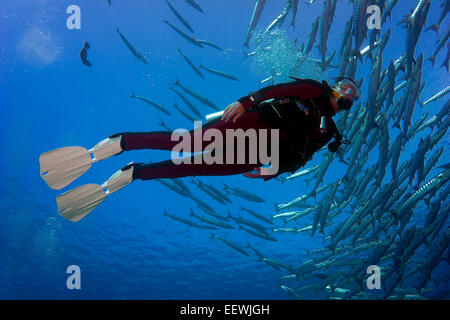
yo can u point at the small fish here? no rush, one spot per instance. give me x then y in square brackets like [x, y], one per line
[83, 54]
[258, 234]
[257, 215]
[197, 96]
[188, 222]
[215, 222]
[259, 6]
[163, 125]
[196, 70]
[130, 47]
[187, 102]
[219, 73]
[438, 95]
[152, 103]
[186, 115]
[184, 34]
[194, 5]
[243, 194]
[210, 44]
[311, 37]
[294, 7]
[230, 243]
[440, 45]
[180, 18]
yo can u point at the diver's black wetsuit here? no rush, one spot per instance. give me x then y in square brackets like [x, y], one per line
[296, 110]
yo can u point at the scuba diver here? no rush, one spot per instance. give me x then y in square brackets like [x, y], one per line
[301, 111]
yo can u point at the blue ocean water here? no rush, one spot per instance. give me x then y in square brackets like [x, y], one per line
[126, 248]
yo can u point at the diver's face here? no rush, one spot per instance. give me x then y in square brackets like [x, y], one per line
[347, 90]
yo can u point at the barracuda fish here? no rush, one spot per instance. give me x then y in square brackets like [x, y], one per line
[390, 86]
[417, 164]
[324, 165]
[152, 103]
[219, 73]
[230, 243]
[205, 189]
[432, 259]
[438, 95]
[257, 215]
[278, 21]
[215, 222]
[326, 205]
[301, 173]
[397, 148]
[256, 251]
[387, 12]
[413, 94]
[294, 230]
[445, 9]
[188, 222]
[359, 25]
[196, 70]
[179, 17]
[163, 125]
[432, 161]
[294, 7]
[341, 231]
[209, 44]
[311, 37]
[299, 201]
[376, 256]
[184, 34]
[259, 6]
[374, 84]
[447, 58]
[258, 234]
[249, 223]
[324, 28]
[242, 194]
[427, 188]
[414, 24]
[218, 193]
[188, 103]
[383, 150]
[132, 49]
[206, 207]
[346, 47]
[194, 5]
[197, 96]
[440, 45]
[183, 113]
[181, 185]
[173, 187]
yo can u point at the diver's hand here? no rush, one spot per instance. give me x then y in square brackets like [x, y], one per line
[233, 111]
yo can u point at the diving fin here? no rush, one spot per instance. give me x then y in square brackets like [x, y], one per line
[62, 166]
[75, 204]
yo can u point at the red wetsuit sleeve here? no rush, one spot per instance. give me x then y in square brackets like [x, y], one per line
[304, 89]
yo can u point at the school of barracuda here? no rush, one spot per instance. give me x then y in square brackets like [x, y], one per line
[366, 217]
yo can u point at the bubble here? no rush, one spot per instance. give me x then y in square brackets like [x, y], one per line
[277, 55]
[39, 46]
